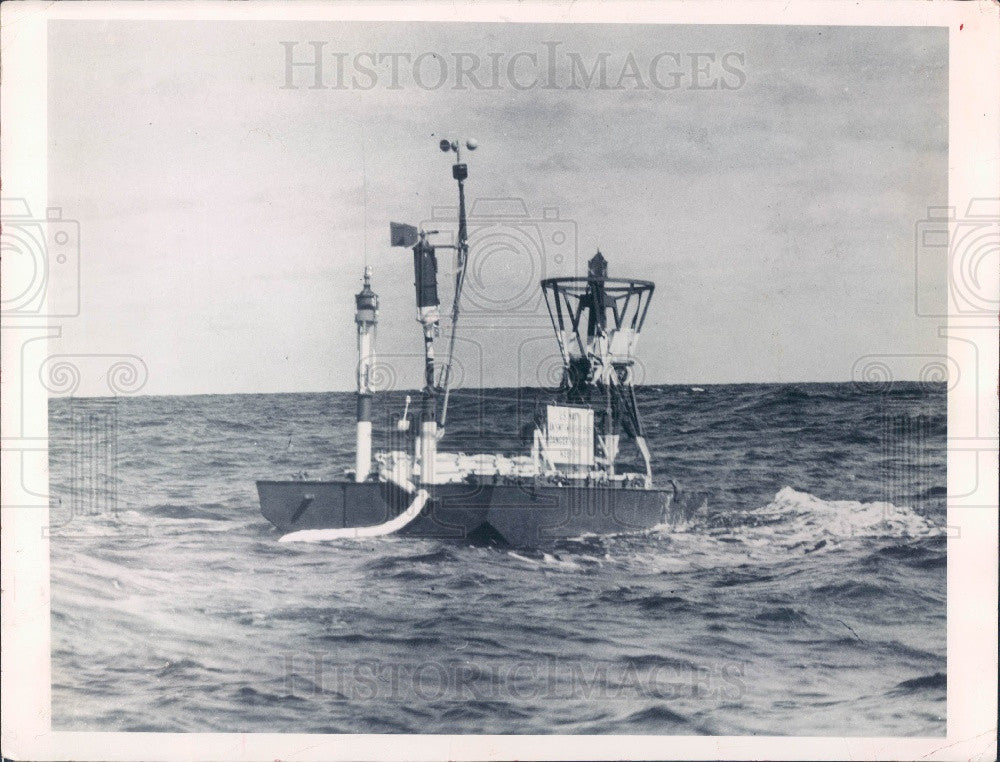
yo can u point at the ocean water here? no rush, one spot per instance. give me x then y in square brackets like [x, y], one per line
[798, 589]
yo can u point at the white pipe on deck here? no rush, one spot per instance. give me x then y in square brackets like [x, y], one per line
[428, 451]
[363, 451]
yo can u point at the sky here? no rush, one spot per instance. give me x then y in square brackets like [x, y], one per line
[768, 179]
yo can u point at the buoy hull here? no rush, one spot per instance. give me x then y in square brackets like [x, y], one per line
[516, 515]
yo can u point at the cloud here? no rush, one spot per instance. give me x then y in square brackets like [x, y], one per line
[220, 213]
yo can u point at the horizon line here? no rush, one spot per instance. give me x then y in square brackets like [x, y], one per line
[494, 388]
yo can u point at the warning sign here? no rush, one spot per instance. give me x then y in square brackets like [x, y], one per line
[570, 436]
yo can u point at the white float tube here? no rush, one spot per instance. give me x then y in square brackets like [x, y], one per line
[378, 530]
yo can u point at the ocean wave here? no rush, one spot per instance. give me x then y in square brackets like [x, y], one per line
[935, 682]
[741, 576]
[649, 661]
[657, 716]
[183, 613]
[929, 553]
[852, 590]
[187, 511]
[781, 614]
[658, 602]
[566, 560]
[795, 519]
[483, 709]
[248, 695]
[403, 563]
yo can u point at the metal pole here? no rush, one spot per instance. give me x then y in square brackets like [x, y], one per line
[459, 171]
[366, 318]
[609, 446]
[428, 427]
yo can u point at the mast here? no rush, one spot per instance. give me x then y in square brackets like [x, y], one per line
[425, 281]
[428, 315]
[366, 318]
[459, 172]
[425, 270]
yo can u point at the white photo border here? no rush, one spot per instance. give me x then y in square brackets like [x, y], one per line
[974, 172]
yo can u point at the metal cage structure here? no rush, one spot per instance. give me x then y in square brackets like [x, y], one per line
[597, 321]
